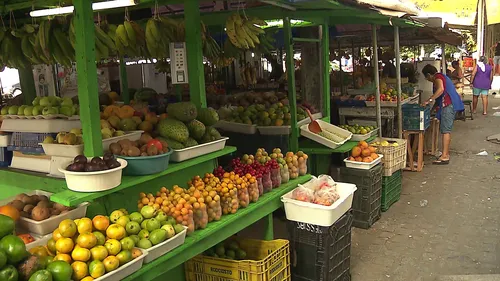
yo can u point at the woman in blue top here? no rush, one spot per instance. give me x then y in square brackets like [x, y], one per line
[447, 102]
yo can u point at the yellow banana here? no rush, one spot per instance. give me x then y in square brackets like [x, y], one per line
[231, 31]
[257, 21]
[254, 28]
[121, 34]
[251, 35]
[130, 33]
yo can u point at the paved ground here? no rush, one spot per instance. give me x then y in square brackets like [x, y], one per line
[456, 232]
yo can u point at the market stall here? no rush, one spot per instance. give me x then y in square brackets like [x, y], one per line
[249, 189]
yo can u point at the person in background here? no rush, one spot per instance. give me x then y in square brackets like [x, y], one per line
[495, 49]
[481, 78]
[447, 102]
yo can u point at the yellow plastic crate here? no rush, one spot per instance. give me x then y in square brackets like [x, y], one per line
[268, 261]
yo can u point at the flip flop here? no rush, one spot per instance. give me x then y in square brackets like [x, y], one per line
[441, 162]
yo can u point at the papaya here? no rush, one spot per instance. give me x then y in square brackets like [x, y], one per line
[126, 111]
[7, 225]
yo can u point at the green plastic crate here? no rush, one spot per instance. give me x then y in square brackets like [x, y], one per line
[391, 189]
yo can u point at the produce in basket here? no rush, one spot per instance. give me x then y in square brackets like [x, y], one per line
[229, 249]
[321, 191]
[363, 152]
[303, 194]
[81, 164]
[145, 146]
[35, 207]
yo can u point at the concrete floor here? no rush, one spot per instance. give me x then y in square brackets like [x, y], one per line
[456, 232]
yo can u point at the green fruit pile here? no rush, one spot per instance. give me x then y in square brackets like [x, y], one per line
[149, 227]
[276, 114]
[229, 249]
[358, 130]
[44, 106]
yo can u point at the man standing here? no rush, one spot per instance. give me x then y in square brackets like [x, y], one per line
[447, 102]
[496, 59]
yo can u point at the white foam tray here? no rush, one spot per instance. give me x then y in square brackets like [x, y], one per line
[47, 226]
[236, 127]
[166, 246]
[46, 117]
[93, 181]
[304, 131]
[363, 165]
[40, 125]
[39, 242]
[5, 140]
[184, 154]
[64, 150]
[274, 130]
[311, 213]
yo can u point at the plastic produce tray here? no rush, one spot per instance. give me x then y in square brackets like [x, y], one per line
[274, 130]
[40, 126]
[184, 154]
[125, 270]
[311, 213]
[267, 261]
[357, 137]
[47, 226]
[64, 150]
[321, 253]
[166, 246]
[363, 165]
[236, 127]
[391, 190]
[366, 205]
[344, 134]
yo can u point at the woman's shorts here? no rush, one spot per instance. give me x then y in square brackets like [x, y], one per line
[477, 92]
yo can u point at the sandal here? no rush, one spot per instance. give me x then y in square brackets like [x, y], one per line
[441, 162]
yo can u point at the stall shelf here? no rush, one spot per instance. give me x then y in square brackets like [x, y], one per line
[217, 232]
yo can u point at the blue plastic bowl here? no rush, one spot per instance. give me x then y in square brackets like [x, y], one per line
[146, 165]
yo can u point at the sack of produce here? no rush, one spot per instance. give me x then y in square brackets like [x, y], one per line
[285, 174]
[260, 186]
[267, 183]
[200, 215]
[253, 190]
[303, 194]
[243, 197]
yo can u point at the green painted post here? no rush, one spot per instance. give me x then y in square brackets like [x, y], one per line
[178, 92]
[124, 93]
[27, 84]
[292, 99]
[194, 48]
[325, 49]
[269, 229]
[87, 77]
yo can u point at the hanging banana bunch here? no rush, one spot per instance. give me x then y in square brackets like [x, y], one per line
[244, 33]
[159, 34]
[211, 48]
[131, 40]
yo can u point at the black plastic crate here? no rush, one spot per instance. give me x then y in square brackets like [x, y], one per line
[366, 204]
[320, 253]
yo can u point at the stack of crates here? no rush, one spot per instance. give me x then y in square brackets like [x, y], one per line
[391, 189]
[5, 155]
[416, 117]
[366, 204]
[321, 253]
[28, 142]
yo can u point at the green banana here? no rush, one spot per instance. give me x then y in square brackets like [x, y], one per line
[104, 38]
[122, 35]
[64, 44]
[130, 33]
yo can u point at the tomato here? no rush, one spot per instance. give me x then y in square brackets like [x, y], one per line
[156, 143]
[27, 238]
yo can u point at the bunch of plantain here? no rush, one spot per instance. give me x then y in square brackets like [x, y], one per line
[131, 40]
[244, 32]
[266, 43]
[159, 34]
[211, 48]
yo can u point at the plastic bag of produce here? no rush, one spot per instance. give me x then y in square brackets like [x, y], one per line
[214, 210]
[183, 214]
[302, 167]
[229, 200]
[253, 190]
[243, 197]
[200, 215]
[303, 194]
[276, 177]
[325, 181]
[260, 186]
[326, 196]
[284, 174]
[267, 183]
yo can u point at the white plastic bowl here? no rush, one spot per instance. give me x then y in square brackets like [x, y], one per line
[93, 181]
[363, 165]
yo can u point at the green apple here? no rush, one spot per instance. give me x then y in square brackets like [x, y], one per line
[153, 224]
[143, 234]
[4, 110]
[157, 236]
[20, 110]
[67, 110]
[127, 243]
[135, 238]
[136, 216]
[67, 102]
[36, 101]
[115, 215]
[13, 110]
[45, 101]
[144, 243]
[37, 110]
[50, 110]
[123, 220]
[148, 211]
[132, 227]
[76, 131]
[161, 216]
[28, 111]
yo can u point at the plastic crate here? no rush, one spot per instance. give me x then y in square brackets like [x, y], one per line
[31, 140]
[5, 157]
[394, 156]
[366, 205]
[391, 189]
[267, 261]
[416, 117]
[321, 253]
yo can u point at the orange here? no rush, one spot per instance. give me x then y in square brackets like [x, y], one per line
[374, 156]
[56, 234]
[80, 254]
[64, 245]
[84, 225]
[358, 159]
[372, 149]
[367, 159]
[356, 151]
[363, 144]
[67, 228]
[365, 152]
[87, 240]
[80, 270]
[100, 223]
[10, 211]
[63, 257]
[351, 158]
